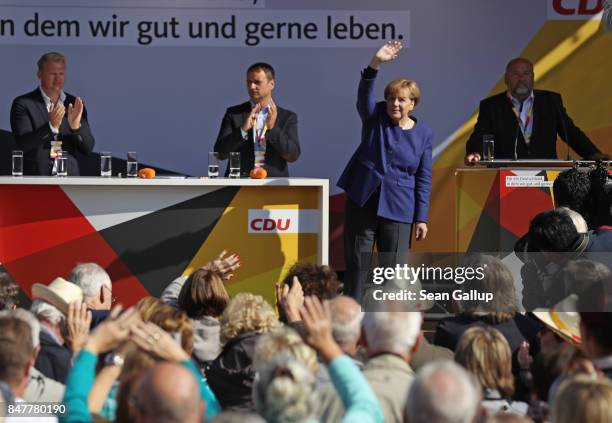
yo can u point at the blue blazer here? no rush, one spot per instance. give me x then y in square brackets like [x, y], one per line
[399, 161]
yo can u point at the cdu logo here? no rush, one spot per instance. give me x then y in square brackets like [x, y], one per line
[283, 221]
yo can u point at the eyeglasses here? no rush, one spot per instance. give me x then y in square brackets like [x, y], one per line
[113, 298]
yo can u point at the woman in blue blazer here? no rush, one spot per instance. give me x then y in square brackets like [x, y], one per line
[388, 178]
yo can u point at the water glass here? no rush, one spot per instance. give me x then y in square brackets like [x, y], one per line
[17, 163]
[213, 164]
[61, 163]
[132, 165]
[488, 147]
[106, 164]
[234, 165]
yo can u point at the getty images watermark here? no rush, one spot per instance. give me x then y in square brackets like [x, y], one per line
[402, 282]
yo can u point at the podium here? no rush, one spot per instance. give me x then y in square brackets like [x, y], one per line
[145, 233]
[496, 200]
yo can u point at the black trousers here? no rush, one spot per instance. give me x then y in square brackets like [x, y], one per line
[362, 228]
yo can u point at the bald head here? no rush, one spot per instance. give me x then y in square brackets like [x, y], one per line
[346, 319]
[169, 393]
[442, 392]
[519, 78]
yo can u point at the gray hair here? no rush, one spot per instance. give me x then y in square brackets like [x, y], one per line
[579, 222]
[29, 318]
[442, 392]
[346, 320]
[392, 331]
[606, 19]
[90, 277]
[284, 391]
[45, 311]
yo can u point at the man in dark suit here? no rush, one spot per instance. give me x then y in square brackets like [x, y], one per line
[525, 122]
[48, 123]
[264, 134]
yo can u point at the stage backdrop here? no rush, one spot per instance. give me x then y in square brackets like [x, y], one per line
[157, 75]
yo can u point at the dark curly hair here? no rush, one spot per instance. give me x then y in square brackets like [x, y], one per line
[317, 280]
[9, 291]
[571, 189]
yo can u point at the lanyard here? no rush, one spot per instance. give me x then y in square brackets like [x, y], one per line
[523, 125]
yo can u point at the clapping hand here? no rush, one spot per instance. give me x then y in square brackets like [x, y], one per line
[290, 300]
[56, 114]
[75, 112]
[113, 331]
[386, 53]
[249, 121]
[78, 322]
[272, 115]
[150, 337]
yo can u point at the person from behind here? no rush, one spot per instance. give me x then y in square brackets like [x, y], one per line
[571, 189]
[16, 359]
[231, 374]
[443, 392]
[583, 399]
[158, 401]
[285, 389]
[390, 339]
[204, 298]
[485, 353]
[39, 387]
[95, 283]
[9, 291]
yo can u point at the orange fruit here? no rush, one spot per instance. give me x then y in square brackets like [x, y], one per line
[146, 173]
[258, 173]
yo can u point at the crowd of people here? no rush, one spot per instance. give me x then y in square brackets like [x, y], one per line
[197, 354]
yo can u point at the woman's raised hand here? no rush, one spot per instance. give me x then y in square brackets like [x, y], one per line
[386, 53]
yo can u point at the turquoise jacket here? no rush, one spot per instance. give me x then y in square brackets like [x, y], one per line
[81, 379]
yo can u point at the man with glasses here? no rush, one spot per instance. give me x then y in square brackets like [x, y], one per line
[96, 285]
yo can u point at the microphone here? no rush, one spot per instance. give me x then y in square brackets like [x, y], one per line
[565, 134]
[518, 128]
[606, 19]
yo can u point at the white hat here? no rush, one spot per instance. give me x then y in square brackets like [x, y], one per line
[58, 293]
[563, 319]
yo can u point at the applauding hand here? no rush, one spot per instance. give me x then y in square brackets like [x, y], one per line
[75, 113]
[56, 114]
[249, 121]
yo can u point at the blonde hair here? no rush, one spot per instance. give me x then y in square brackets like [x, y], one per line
[395, 86]
[485, 353]
[582, 399]
[148, 306]
[284, 391]
[284, 341]
[177, 323]
[247, 313]
[51, 57]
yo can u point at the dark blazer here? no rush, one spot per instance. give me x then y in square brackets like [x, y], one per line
[54, 360]
[282, 144]
[397, 161]
[30, 125]
[521, 328]
[549, 119]
[231, 374]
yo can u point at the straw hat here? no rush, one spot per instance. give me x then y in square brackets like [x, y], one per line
[563, 319]
[58, 293]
